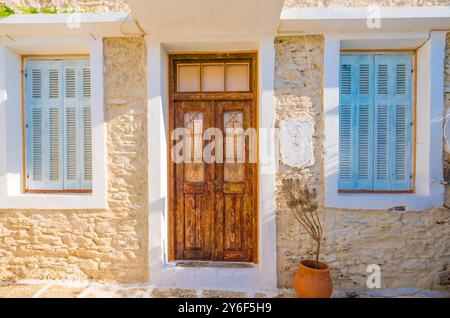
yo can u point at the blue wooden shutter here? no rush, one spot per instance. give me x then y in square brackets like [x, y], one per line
[78, 127]
[356, 117]
[345, 124]
[393, 158]
[44, 125]
[383, 114]
[375, 122]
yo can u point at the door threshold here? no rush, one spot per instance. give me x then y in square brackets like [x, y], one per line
[214, 264]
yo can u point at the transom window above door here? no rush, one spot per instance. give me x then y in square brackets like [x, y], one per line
[213, 77]
[376, 122]
[58, 128]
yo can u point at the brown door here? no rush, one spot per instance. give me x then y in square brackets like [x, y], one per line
[213, 203]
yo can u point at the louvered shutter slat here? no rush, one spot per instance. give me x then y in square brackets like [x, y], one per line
[87, 122]
[78, 127]
[86, 127]
[71, 110]
[381, 175]
[346, 181]
[35, 128]
[44, 124]
[383, 120]
[402, 123]
[36, 146]
[393, 160]
[71, 144]
[54, 125]
[362, 96]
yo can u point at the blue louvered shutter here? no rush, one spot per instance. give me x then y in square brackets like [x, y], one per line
[356, 129]
[44, 134]
[393, 124]
[77, 123]
[375, 133]
[345, 124]
[375, 116]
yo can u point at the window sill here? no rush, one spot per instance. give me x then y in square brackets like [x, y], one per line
[412, 201]
[376, 191]
[58, 191]
[54, 201]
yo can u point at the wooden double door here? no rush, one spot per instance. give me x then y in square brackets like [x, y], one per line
[213, 200]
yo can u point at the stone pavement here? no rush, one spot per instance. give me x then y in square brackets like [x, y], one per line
[44, 289]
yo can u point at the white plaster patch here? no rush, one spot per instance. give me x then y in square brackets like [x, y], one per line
[296, 142]
[447, 131]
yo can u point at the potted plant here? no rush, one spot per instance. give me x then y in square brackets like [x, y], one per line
[312, 279]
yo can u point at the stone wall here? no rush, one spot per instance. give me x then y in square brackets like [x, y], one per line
[364, 3]
[412, 249]
[70, 5]
[106, 245]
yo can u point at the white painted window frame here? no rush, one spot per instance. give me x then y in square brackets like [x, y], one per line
[11, 158]
[164, 273]
[429, 191]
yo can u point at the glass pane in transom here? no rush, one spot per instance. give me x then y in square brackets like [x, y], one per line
[188, 78]
[213, 78]
[238, 77]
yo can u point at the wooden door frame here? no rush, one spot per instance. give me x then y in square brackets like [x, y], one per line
[173, 96]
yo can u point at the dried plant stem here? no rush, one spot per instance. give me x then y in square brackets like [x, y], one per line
[303, 203]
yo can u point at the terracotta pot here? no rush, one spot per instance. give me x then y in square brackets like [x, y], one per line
[313, 282]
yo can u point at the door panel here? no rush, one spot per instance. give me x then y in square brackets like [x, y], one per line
[237, 183]
[193, 212]
[213, 214]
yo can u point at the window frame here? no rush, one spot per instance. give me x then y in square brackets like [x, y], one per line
[413, 53]
[429, 190]
[24, 59]
[12, 195]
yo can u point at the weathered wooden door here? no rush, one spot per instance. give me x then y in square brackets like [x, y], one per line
[213, 212]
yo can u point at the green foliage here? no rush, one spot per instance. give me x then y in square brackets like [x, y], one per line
[5, 11]
[50, 10]
[30, 10]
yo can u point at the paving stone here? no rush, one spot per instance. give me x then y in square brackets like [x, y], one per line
[173, 293]
[131, 292]
[223, 294]
[99, 292]
[286, 295]
[57, 291]
[18, 291]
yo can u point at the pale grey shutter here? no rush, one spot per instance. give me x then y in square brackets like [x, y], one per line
[78, 127]
[86, 129]
[44, 125]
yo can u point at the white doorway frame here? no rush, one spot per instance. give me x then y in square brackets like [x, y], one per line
[163, 273]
